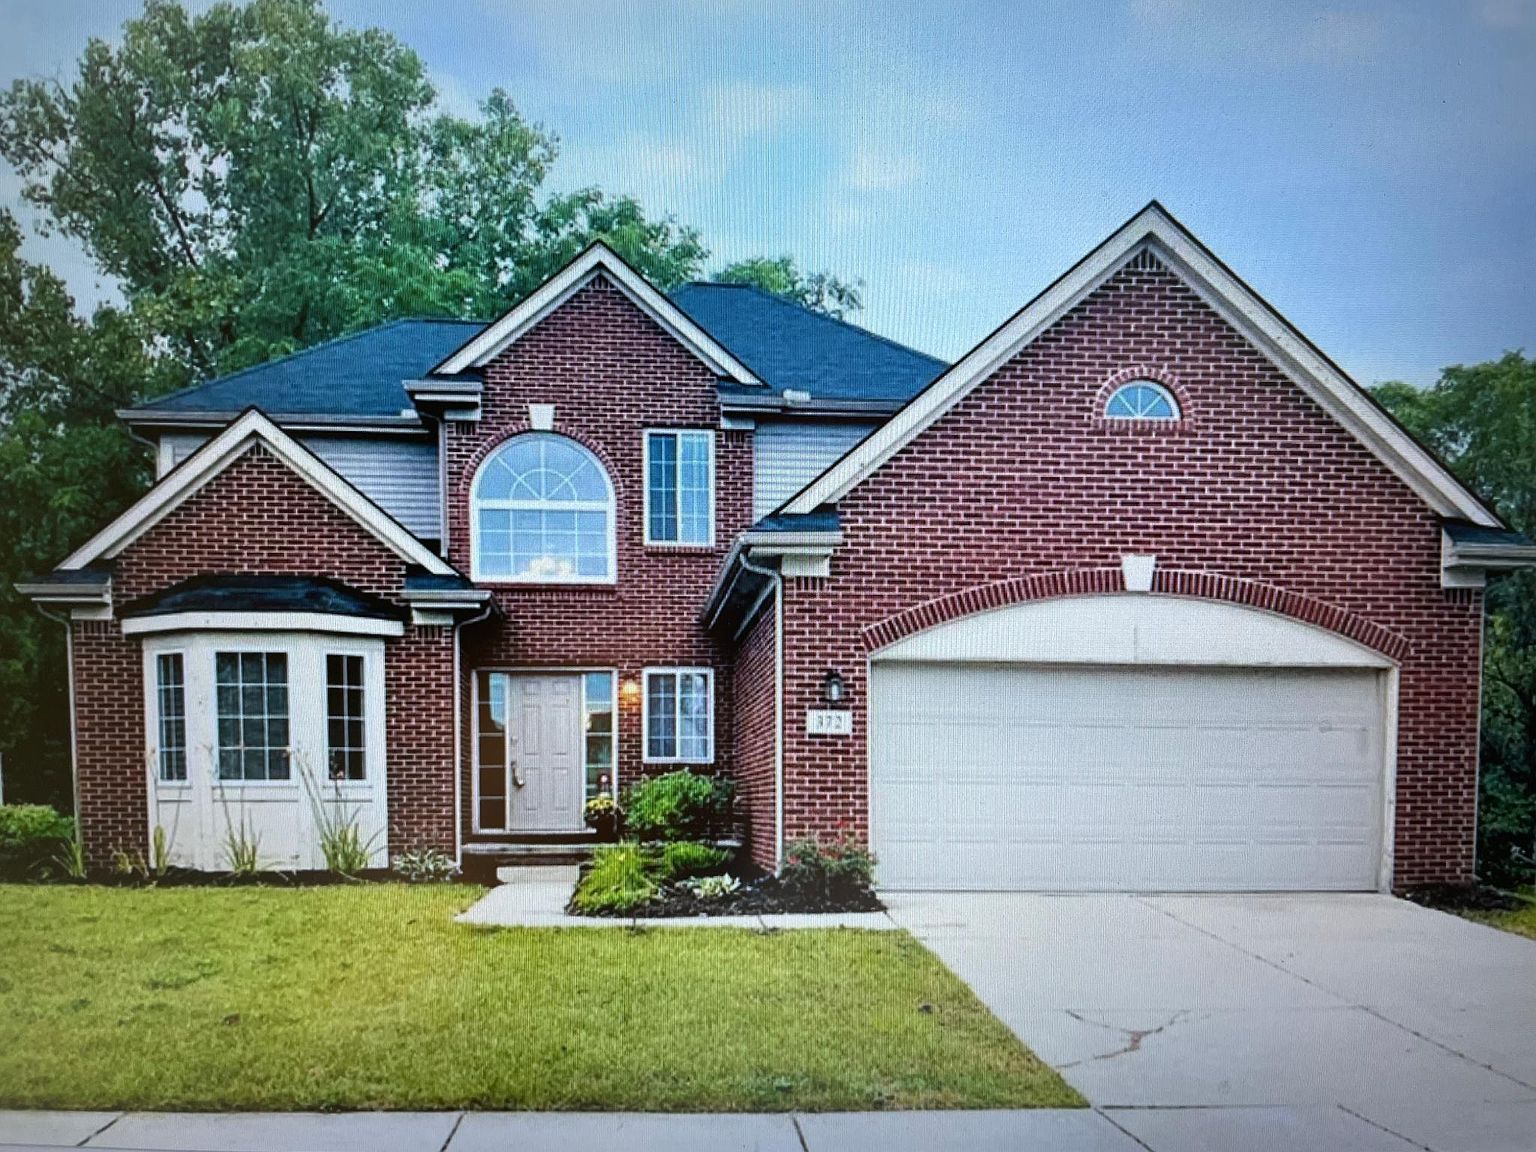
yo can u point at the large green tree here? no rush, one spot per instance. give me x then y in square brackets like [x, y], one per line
[818, 291]
[259, 178]
[68, 465]
[1481, 419]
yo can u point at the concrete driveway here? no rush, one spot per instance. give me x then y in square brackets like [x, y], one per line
[1256, 1022]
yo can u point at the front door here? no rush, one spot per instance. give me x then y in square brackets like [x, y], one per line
[544, 753]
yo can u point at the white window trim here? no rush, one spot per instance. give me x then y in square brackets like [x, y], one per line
[645, 714]
[197, 844]
[613, 696]
[707, 544]
[152, 676]
[325, 712]
[1143, 382]
[476, 504]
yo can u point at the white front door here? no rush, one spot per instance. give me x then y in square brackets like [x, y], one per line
[544, 753]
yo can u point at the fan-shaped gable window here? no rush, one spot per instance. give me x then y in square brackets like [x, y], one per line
[543, 514]
[1142, 400]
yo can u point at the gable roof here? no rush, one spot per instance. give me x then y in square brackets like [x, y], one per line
[598, 259]
[1155, 228]
[792, 347]
[360, 375]
[219, 453]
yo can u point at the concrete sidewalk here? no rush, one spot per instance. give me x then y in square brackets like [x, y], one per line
[1065, 1130]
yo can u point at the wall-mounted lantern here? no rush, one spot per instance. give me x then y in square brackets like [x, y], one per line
[832, 688]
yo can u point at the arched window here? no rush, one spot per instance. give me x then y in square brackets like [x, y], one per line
[1142, 400]
[542, 513]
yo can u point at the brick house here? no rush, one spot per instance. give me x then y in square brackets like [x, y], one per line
[1142, 592]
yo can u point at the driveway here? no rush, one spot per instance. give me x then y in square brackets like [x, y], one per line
[1327, 1021]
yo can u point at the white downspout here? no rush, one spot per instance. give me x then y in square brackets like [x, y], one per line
[777, 580]
[458, 734]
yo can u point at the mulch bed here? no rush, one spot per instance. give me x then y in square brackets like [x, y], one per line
[1465, 898]
[762, 897]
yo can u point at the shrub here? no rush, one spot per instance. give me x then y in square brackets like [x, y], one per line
[31, 837]
[683, 859]
[828, 870]
[425, 866]
[715, 887]
[619, 880]
[678, 806]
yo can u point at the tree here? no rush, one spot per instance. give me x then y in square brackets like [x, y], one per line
[68, 465]
[259, 178]
[1482, 421]
[818, 291]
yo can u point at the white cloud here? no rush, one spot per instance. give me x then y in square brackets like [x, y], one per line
[872, 171]
[743, 109]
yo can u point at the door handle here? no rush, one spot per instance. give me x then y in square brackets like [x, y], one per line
[517, 777]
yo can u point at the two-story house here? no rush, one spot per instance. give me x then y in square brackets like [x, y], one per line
[1143, 592]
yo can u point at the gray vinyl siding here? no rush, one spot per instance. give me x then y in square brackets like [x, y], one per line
[399, 475]
[788, 454]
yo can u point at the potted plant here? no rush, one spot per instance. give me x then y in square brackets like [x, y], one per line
[603, 816]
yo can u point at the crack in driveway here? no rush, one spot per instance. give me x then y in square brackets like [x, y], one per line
[1133, 1036]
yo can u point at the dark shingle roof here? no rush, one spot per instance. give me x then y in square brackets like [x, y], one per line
[788, 346]
[237, 593]
[1463, 532]
[358, 375]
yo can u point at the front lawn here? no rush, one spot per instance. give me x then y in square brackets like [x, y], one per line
[372, 997]
[1521, 920]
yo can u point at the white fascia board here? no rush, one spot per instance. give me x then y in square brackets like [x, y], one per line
[262, 622]
[597, 259]
[1233, 300]
[45, 592]
[217, 455]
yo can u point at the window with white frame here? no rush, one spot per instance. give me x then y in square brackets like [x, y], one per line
[679, 720]
[598, 730]
[1141, 400]
[252, 715]
[679, 487]
[345, 723]
[543, 513]
[171, 696]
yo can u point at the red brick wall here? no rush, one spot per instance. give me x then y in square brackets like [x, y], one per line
[611, 373]
[1023, 481]
[754, 707]
[257, 517]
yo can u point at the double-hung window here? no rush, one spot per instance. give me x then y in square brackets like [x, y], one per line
[679, 487]
[346, 745]
[171, 695]
[252, 690]
[679, 706]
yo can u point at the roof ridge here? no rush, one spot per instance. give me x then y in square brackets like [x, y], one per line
[785, 302]
[297, 353]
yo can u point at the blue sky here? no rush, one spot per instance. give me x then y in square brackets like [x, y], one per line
[1368, 167]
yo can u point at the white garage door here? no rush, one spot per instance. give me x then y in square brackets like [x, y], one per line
[1133, 778]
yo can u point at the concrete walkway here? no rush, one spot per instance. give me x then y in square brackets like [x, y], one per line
[536, 898]
[1079, 1130]
[1260, 1022]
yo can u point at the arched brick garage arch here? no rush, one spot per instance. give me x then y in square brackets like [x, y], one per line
[1166, 581]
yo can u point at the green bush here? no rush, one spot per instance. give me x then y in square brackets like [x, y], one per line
[425, 866]
[685, 859]
[31, 837]
[619, 880]
[678, 806]
[828, 870]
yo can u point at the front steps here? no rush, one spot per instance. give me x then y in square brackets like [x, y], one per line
[482, 859]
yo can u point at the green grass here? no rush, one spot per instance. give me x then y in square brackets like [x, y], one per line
[371, 997]
[1521, 921]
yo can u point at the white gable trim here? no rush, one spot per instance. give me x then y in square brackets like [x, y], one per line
[217, 455]
[1238, 304]
[597, 259]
